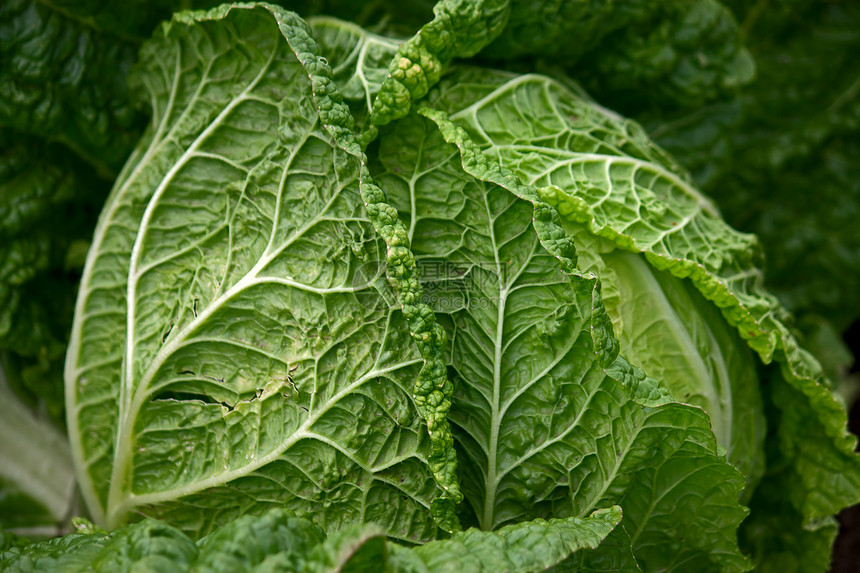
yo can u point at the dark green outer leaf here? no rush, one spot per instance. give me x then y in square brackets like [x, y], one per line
[69, 554]
[64, 71]
[634, 54]
[251, 540]
[148, 545]
[48, 206]
[775, 536]
[519, 548]
[390, 17]
[278, 541]
[615, 555]
[781, 159]
[356, 549]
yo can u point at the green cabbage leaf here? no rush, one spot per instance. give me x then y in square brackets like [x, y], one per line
[550, 421]
[353, 304]
[280, 541]
[236, 343]
[607, 180]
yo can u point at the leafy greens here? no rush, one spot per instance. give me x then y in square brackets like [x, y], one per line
[241, 273]
[346, 290]
[278, 541]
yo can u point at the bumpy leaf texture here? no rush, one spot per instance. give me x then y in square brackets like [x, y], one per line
[145, 546]
[359, 62]
[460, 29]
[47, 206]
[250, 541]
[549, 420]
[280, 541]
[236, 343]
[529, 546]
[693, 52]
[64, 70]
[608, 180]
[669, 329]
[635, 54]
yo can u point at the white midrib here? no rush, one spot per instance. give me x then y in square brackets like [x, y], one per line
[87, 486]
[490, 481]
[573, 158]
[508, 86]
[413, 200]
[139, 397]
[125, 417]
[251, 278]
[128, 378]
[359, 70]
[130, 500]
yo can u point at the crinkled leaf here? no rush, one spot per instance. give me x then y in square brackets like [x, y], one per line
[9, 540]
[775, 536]
[615, 555]
[359, 61]
[692, 53]
[632, 53]
[606, 177]
[356, 549]
[523, 547]
[549, 421]
[236, 344]
[460, 29]
[48, 207]
[148, 545]
[70, 554]
[278, 541]
[145, 546]
[249, 541]
[63, 74]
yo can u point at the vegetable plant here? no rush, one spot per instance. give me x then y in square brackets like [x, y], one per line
[366, 296]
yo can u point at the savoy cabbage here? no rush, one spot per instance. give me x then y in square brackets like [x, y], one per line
[358, 289]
